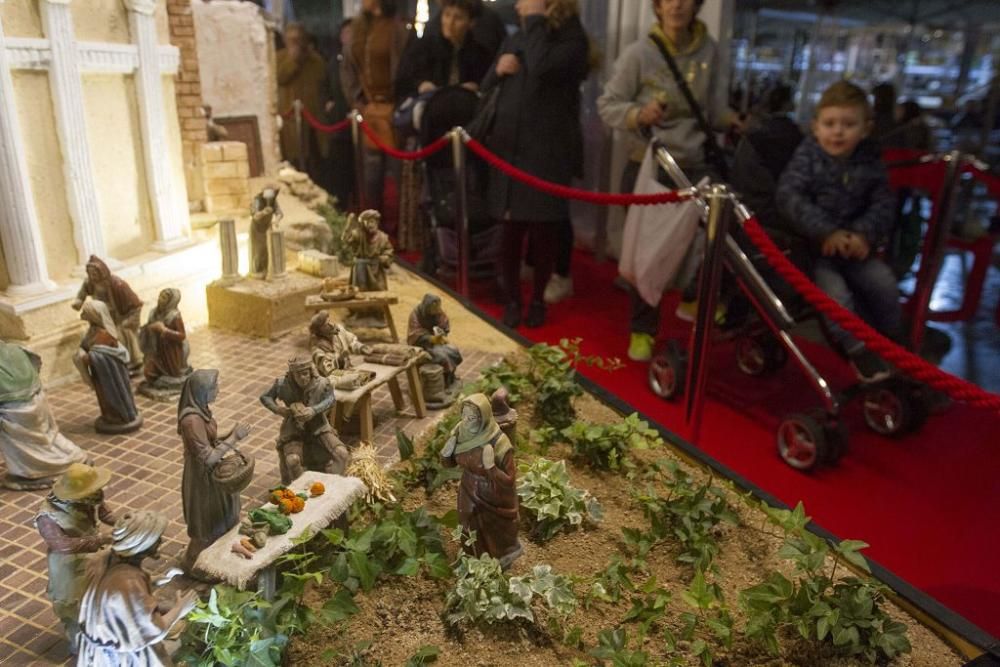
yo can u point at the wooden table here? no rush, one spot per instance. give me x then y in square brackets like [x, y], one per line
[218, 561]
[360, 399]
[380, 300]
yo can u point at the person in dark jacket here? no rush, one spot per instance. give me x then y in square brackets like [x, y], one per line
[762, 155]
[537, 129]
[449, 57]
[835, 192]
[337, 108]
[488, 29]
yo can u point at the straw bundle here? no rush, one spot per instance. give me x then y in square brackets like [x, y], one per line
[366, 467]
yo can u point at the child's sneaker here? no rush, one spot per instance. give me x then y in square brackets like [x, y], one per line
[559, 288]
[870, 367]
[640, 347]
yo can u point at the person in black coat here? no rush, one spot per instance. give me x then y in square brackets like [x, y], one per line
[448, 57]
[488, 29]
[537, 129]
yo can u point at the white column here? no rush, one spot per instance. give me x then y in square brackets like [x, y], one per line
[149, 84]
[19, 232]
[67, 96]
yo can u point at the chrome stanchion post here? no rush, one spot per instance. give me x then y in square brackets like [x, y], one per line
[462, 206]
[357, 137]
[932, 253]
[720, 213]
[300, 134]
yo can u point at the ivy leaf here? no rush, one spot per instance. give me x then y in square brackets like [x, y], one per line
[365, 569]
[340, 607]
[409, 568]
[425, 654]
[849, 551]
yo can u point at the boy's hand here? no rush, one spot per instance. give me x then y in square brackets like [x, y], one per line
[857, 248]
[836, 244]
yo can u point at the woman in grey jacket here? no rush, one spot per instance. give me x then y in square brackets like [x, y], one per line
[643, 99]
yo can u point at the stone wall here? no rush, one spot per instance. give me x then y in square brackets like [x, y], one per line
[227, 171]
[236, 61]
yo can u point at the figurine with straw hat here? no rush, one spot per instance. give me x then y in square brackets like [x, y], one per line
[68, 522]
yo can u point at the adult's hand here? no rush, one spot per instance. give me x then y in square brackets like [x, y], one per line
[651, 114]
[508, 65]
[857, 248]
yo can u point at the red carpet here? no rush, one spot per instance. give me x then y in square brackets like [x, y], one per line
[928, 504]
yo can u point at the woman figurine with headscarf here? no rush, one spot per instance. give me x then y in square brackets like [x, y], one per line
[428, 328]
[165, 348]
[123, 304]
[103, 365]
[35, 452]
[209, 511]
[487, 496]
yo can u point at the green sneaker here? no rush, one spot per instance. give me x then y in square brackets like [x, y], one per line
[640, 347]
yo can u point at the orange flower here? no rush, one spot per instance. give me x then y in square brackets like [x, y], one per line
[287, 506]
[298, 505]
[317, 489]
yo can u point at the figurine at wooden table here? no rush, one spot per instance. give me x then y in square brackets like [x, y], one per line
[306, 440]
[428, 328]
[102, 361]
[373, 254]
[120, 618]
[264, 213]
[165, 347]
[35, 452]
[332, 345]
[67, 521]
[124, 305]
[487, 495]
[211, 504]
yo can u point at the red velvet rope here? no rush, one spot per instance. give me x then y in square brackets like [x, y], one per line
[906, 361]
[567, 192]
[321, 127]
[425, 152]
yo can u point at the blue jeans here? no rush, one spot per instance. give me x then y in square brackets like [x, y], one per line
[867, 288]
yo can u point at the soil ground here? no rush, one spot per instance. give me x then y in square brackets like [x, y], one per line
[404, 613]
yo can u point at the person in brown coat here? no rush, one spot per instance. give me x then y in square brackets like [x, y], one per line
[209, 511]
[123, 303]
[487, 495]
[302, 76]
[368, 74]
[164, 345]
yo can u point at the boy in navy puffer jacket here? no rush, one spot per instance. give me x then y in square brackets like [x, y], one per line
[835, 192]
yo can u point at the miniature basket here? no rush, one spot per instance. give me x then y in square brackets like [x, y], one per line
[233, 473]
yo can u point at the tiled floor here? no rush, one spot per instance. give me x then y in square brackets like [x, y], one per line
[146, 469]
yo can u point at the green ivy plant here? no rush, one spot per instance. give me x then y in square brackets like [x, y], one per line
[425, 469]
[846, 612]
[611, 583]
[551, 502]
[602, 446]
[707, 625]
[690, 514]
[613, 647]
[396, 543]
[483, 594]
[238, 628]
[504, 374]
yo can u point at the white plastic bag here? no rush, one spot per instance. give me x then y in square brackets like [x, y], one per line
[657, 239]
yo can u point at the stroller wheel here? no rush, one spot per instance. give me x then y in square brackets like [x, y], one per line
[837, 439]
[759, 355]
[802, 441]
[666, 373]
[891, 409]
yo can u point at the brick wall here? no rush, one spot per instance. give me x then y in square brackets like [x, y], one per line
[193, 125]
[194, 128]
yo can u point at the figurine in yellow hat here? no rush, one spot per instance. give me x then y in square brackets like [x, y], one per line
[68, 522]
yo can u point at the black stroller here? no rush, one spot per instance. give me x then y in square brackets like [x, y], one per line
[891, 407]
[436, 115]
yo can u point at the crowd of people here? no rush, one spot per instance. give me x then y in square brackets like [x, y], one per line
[825, 192]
